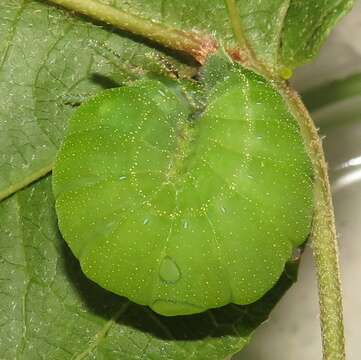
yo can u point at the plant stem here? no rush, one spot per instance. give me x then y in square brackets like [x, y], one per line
[323, 235]
[189, 42]
[324, 238]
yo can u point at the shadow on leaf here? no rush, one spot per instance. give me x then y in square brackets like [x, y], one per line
[230, 320]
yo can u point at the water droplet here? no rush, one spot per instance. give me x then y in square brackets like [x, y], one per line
[169, 270]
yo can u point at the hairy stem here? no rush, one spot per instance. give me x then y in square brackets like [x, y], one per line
[323, 235]
[192, 43]
[324, 239]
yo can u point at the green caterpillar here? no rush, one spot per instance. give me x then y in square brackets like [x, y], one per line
[185, 211]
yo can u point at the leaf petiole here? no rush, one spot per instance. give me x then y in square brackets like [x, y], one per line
[324, 239]
[323, 236]
[192, 43]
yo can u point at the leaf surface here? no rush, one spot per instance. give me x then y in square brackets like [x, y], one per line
[281, 32]
[50, 310]
[49, 60]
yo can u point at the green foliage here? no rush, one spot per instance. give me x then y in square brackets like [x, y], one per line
[48, 309]
[300, 43]
[281, 32]
[47, 56]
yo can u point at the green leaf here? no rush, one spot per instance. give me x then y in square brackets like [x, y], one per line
[49, 59]
[306, 27]
[49, 310]
[46, 58]
[282, 33]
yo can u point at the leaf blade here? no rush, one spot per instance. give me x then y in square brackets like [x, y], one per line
[60, 314]
[60, 57]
